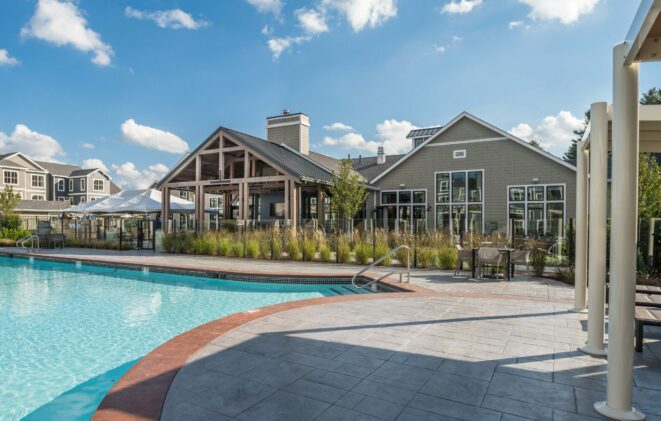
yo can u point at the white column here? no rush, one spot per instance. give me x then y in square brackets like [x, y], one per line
[624, 192]
[580, 257]
[598, 194]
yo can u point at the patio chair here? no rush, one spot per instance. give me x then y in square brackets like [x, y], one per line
[463, 255]
[488, 256]
[521, 257]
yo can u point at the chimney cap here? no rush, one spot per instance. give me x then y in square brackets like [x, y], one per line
[285, 111]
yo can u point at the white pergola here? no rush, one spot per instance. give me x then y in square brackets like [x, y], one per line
[626, 129]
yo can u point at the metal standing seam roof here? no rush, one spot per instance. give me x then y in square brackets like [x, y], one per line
[288, 160]
[424, 132]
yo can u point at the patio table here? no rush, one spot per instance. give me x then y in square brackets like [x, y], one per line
[502, 250]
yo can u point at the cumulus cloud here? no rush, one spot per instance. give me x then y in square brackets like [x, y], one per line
[88, 145]
[6, 59]
[362, 13]
[153, 138]
[95, 163]
[172, 19]
[267, 6]
[440, 49]
[340, 127]
[515, 24]
[129, 177]
[312, 21]
[391, 134]
[554, 133]
[62, 23]
[566, 12]
[266, 30]
[280, 45]
[36, 145]
[461, 6]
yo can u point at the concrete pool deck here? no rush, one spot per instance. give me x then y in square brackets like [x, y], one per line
[456, 349]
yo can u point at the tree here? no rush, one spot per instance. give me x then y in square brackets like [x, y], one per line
[8, 202]
[649, 187]
[651, 97]
[570, 155]
[347, 192]
[535, 143]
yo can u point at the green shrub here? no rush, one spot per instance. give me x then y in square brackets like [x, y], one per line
[402, 256]
[224, 246]
[276, 248]
[363, 252]
[309, 249]
[14, 233]
[538, 261]
[252, 249]
[265, 248]
[187, 244]
[324, 253]
[380, 250]
[343, 252]
[237, 249]
[167, 242]
[293, 248]
[426, 257]
[447, 257]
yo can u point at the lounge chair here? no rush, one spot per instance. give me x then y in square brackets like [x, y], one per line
[648, 300]
[648, 289]
[463, 255]
[645, 316]
[488, 256]
[521, 257]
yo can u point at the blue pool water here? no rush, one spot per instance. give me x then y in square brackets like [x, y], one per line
[67, 334]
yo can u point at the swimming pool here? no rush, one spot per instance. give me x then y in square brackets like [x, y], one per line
[69, 333]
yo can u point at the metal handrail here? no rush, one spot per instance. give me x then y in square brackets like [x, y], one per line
[376, 262]
[21, 242]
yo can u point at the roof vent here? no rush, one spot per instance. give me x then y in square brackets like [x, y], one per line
[285, 111]
[380, 156]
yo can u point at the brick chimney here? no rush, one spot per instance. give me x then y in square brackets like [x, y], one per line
[289, 129]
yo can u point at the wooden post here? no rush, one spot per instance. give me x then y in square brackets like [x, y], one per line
[221, 159]
[287, 213]
[165, 209]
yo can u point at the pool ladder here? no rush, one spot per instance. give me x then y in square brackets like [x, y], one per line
[31, 238]
[373, 283]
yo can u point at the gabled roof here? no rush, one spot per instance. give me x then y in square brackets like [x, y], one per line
[63, 170]
[294, 163]
[27, 158]
[368, 167]
[504, 134]
[82, 173]
[424, 132]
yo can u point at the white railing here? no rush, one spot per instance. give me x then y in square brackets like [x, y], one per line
[381, 259]
[31, 238]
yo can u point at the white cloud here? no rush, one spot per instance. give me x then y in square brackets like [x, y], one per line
[266, 30]
[94, 163]
[440, 49]
[267, 6]
[340, 127]
[391, 134]
[172, 19]
[361, 13]
[567, 11]
[280, 45]
[153, 138]
[6, 59]
[88, 145]
[461, 6]
[38, 146]
[554, 133]
[457, 38]
[515, 24]
[128, 176]
[61, 23]
[312, 21]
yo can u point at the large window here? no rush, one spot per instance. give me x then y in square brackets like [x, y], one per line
[11, 177]
[98, 185]
[60, 184]
[460, 201]
[536, 209]
[83, 184]
[409, 207]
[37, 180]
[71, 184]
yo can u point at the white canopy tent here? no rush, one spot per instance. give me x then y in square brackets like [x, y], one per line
[133, 202]
[626, 129]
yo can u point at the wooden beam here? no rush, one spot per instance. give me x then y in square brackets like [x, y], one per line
[264, 179]
[198, 168]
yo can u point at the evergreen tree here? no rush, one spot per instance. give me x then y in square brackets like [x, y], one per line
[570, 155]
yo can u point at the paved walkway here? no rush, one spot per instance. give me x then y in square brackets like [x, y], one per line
[418, 358]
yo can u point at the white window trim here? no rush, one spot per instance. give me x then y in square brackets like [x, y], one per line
[71, 184]
[94, 184]
[466, 202]
[525, 202]
[398, 205]
[38, 197]
[60, 183]
[41, 176]
[459, 154]
[83, 184]
[10, 171]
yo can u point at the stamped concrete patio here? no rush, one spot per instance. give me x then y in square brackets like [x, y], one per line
[422, 358]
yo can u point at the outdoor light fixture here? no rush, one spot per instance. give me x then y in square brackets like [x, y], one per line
[401, 186]
[535, 180]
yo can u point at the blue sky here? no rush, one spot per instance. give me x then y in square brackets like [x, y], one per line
[135, 83]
